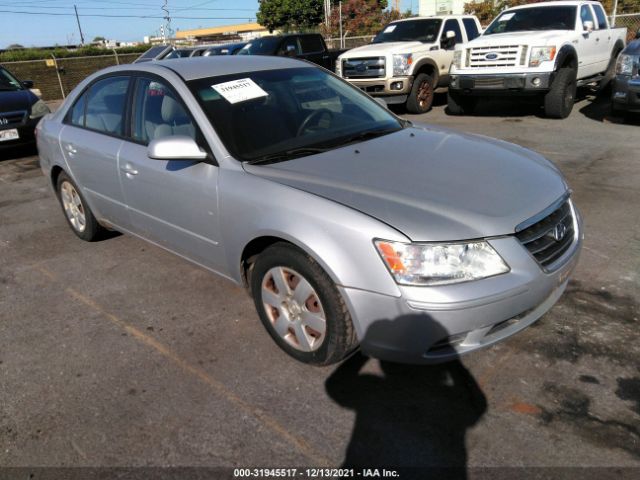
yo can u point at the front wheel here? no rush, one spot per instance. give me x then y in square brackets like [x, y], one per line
[420, 98]
[558, 102]
[300, 306]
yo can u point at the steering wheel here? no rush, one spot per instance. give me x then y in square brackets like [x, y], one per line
[315, 115]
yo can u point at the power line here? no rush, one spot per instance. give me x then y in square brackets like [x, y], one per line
[99, 15]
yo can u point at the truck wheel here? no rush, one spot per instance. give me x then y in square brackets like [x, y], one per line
[460, 104]
[301, 307]
[558, 102]
[609, 74]
[421, 95]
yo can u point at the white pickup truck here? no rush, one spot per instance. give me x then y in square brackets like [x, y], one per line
[546, 49]
[408, 59]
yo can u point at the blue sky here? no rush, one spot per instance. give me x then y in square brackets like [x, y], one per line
[47, 22]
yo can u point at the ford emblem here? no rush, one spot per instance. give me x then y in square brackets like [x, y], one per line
[361, 67]
[491, 56]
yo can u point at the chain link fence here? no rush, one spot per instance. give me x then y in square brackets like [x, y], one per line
[56, 77]
[348, 42]
[629, 20]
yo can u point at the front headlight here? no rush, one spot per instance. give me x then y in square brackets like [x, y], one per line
[541, 54]
[39, 109]
[457, 58]
[402, 64]
[439, 263]
[624, 65]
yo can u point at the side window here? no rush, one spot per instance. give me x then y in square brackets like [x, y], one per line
[311, 44]
[602, 18]
[454, 26]
[471, 27]
[76, 116]
[158, 113]
[586, 15]
[105, 105]
[287, 44]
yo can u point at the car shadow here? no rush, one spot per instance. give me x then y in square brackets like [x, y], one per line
[17, 152]
[599, 109]
[411, 416]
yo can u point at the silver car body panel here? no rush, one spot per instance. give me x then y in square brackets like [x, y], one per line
[419, 184]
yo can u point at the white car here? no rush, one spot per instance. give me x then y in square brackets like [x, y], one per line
[547, 49]
[408, 59]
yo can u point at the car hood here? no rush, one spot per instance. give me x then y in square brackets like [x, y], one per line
[541, 38]
[431, 184]
[16, 100]
[633, 48]
[382, 49]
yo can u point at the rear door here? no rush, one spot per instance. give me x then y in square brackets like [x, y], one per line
[172, 203]
[91, 142]
[604, 41]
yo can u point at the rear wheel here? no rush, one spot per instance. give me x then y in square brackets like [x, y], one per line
[78, 214]
[558, 102]
[421, 96]
[458, 104]
[300, 306]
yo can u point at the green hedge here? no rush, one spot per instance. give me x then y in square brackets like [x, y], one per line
[40, 54]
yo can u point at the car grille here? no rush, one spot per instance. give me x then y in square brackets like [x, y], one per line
[373, 67]
[490, 82]
[11, 119]
[496, 56]
[548, 239]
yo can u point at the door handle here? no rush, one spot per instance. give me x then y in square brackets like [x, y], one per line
[70, 148]
[129, 170]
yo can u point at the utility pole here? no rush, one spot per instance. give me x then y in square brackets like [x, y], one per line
[79, 27]
[340, 17]
[613, 14]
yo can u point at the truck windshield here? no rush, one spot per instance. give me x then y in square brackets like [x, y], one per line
[425, 31]
[8, 82]
[275, 115]
[534, 18]
[260, 46]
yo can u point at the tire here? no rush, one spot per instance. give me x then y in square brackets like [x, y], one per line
[76, 210]
[287, 316]
[421, 96]
[458, 104]
[605, 83]
[558, 102]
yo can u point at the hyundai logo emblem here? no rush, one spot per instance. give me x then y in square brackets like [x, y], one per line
[4, 121]
[559, 232]
[491, 56]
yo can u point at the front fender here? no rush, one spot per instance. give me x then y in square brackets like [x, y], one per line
[339, 238]
[430, 62]
[566, 53]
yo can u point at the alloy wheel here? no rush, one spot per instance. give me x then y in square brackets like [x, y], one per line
[73, 208]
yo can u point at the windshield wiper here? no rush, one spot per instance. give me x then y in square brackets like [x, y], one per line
[287, 155]
[366, 135]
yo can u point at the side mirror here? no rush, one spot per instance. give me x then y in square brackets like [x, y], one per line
[27, 84]
[381, 102]
[290, 51]
[588, 26]
[450, 34]
[177, 147]
[449, 40]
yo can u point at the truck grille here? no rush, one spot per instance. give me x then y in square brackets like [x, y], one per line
[11, 119]
[373, 67]
[496, 56]
[548, 239]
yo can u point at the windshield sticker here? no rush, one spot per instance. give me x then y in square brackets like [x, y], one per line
[389, 29]
[506, 17]
[239, 90]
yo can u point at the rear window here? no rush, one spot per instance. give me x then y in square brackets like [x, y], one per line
[602, 18]
[311, 44]
[105, 105]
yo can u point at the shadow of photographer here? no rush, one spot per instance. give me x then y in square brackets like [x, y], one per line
[411, 415]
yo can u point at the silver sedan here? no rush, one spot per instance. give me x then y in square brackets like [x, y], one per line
[349, 226]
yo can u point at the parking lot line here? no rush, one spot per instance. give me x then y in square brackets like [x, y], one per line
[300, 444]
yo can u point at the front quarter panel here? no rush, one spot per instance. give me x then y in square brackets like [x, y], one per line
[339, 238]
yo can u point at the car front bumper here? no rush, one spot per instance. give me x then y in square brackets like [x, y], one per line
[391, 90]
[626, 93]
[501, 84]
[435, 324]
[26, 134]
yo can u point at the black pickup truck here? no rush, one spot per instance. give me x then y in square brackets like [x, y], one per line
[306, 46]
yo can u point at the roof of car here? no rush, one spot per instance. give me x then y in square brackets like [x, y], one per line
[565, 3]
[432, 16]
[201, 67]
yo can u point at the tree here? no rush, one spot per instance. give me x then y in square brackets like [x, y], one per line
[289, 15]
[361, 17]
[98, 39]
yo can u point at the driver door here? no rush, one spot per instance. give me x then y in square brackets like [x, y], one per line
[172, 203]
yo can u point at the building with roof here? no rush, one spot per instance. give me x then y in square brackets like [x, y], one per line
[226, 33]
[441, 7]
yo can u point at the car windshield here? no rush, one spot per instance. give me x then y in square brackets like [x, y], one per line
[425, 31]
[8, 82]
[274, 115]
[260, 46]
[534, 18]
